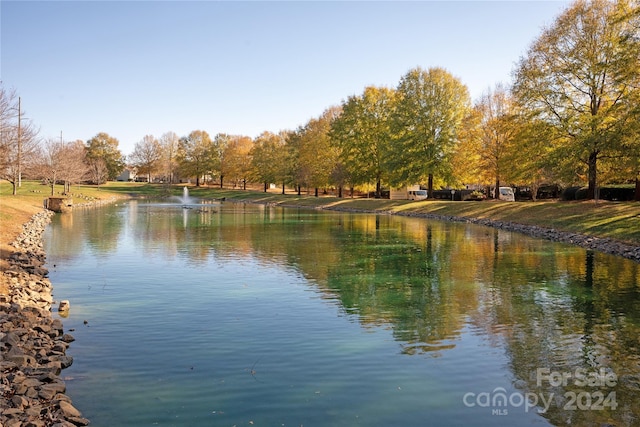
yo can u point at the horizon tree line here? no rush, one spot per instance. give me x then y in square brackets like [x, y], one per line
[571, 116]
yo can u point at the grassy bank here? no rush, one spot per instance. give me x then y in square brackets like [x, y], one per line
[615, 220]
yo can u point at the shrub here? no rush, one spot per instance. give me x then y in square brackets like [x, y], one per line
[619, 194]
[569, 193]
[616, 194]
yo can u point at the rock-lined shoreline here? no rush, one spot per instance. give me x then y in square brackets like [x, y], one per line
[32, 344]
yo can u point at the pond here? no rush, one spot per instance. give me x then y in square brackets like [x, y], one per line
[237, 314]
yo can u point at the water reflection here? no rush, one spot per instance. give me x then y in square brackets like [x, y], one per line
[547, 306]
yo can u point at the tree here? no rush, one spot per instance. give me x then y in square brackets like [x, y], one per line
[295, 174]
[49, 161]
[57, 160]
[465, 162]
[75, 168]
[98, 172]
[146, 156]
[498, 129]
[363, 134]
[104, 147]
[18, 140]
[316, 156]
[195, 155]
[531, 160]
[430, 109]
[630, 150]
[579, 76]
[221, 166]
[631, 141]
[267, 158]
[237, 155]
[168, 151]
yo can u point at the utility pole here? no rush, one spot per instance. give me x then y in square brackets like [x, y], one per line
[19, 143]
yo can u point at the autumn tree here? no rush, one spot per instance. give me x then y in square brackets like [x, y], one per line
[221, 165]
[630, 148]
[498, 130]
[296, 175]
[168, 142]
[146, 156]
[315, 154]
[466, 160]
[529, 160]
[579, 76]
[105, 147]
[195, 155]
[268, 158]
[430, 109]
[363, 134]
[237, 156]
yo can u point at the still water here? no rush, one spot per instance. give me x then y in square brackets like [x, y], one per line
[231, 314]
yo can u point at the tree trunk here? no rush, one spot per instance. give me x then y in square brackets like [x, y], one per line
[496, 194]
[534, 190]
[265, 186]
[316, 191]
[593, 159]
[340, 191]
[282, 187]
[378, 189]
[430, 186]
[637, 196]
[221, 181]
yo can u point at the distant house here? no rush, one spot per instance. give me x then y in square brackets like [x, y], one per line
[127, 174]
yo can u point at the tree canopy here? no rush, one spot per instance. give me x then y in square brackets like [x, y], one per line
[363, 134]
[430, 109]
[580, 76]
[104, 148]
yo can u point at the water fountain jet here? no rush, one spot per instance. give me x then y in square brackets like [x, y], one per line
[185, 200]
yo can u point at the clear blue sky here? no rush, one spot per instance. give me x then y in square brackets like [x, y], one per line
[132, 68]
